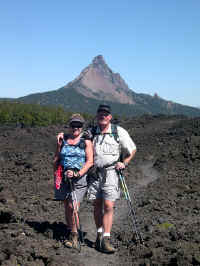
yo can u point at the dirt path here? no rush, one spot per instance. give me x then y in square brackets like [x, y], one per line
[89, 256]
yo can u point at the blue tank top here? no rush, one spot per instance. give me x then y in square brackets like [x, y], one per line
[73, 156]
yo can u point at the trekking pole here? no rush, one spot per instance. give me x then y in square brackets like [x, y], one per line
[132, 213]
[76, 215]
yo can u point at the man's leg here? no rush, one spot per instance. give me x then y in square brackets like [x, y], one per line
[98, 218]
[107, 226]
[108, 216]
[98, 213]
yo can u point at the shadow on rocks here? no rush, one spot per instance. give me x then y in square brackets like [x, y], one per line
[57, 231]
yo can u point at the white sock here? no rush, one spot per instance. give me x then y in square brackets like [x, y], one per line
[100, 230]
[106, 234]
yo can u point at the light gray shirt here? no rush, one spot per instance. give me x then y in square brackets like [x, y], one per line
[107, 150]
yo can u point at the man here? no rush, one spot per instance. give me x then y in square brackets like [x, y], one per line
[105, 190]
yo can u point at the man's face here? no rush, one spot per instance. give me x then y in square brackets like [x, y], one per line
[103, 118]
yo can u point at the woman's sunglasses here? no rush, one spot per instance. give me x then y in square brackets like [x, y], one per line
[76, 125]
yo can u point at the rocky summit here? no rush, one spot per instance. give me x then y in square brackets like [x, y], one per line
[97, 83]
[163, 182]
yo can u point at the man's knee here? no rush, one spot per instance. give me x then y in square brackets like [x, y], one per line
[108, 206]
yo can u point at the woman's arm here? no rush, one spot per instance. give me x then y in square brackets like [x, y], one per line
[89, 157]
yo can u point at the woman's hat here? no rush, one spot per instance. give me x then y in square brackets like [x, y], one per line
[76, 118]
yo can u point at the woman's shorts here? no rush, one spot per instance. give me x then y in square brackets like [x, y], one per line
[79, 187]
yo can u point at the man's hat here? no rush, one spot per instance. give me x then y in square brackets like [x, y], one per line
[104, 108]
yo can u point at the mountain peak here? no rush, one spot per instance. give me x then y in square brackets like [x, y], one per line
[99, 82]
[98, 60]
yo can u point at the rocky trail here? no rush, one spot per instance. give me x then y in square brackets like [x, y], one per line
[88, 254]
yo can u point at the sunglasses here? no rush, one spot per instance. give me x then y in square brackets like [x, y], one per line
[103, 113]
[76, 125]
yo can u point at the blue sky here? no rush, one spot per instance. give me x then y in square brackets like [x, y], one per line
[153, 44]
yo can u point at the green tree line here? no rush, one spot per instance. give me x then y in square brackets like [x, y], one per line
[32, 114]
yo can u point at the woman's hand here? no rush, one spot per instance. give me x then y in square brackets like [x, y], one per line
[70, 173]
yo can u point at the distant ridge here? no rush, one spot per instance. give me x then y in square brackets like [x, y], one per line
[98, 83]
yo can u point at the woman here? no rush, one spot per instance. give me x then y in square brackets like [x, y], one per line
[75, 155]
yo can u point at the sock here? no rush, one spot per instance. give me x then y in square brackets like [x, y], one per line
[100, 230]
[106, 234]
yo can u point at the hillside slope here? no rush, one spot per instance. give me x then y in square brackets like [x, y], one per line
[97, 83]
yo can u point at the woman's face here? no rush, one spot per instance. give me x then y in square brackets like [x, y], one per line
[76, 128]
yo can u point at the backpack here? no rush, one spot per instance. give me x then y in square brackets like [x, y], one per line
[90, 134]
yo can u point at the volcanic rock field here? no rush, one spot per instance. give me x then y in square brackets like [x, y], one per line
[163, 182]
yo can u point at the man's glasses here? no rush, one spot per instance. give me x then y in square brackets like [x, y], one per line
[103, 114]
[76, 125]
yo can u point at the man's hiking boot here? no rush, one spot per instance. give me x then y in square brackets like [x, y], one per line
[97, 244]
[106, 246]
[72, 242]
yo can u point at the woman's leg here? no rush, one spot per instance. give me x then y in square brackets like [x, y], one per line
[71, 214]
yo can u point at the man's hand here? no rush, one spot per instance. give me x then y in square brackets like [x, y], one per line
[120, 165]
[60, 138]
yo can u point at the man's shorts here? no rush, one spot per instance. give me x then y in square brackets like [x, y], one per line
[105, 187]
[80, 189]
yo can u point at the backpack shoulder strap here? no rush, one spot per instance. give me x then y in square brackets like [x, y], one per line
[94, 131]
[114, 132]
[81, 143]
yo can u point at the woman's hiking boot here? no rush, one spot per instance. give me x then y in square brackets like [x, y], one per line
[106, 246]
[97, 244]
[72, 242]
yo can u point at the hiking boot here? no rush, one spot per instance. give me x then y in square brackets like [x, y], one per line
[106, 246]
[97, 243]
[72, 242]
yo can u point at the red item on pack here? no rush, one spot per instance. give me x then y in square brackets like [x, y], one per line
[58, 176]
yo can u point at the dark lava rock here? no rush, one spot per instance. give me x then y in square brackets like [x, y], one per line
[163, 181]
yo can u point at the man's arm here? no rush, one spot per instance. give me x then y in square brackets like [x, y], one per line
[126, 161]
[89, 157]
[60, 137]
[128, 145]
